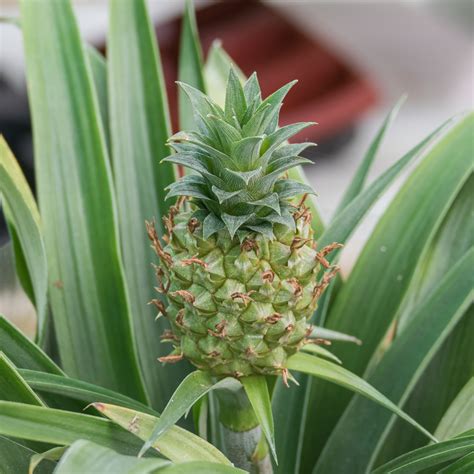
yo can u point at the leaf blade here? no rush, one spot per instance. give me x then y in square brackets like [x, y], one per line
[52, 454]
[256, 389]
[464, 464]
[23, 214]
[335, 373]
[77, 390]
[407, 356]
[176, 444]
[12, 385]
[87, 292]
[84, 456]
[190, 66]
[22, 352]
[357, 183]
[16, 458]
[452, 363]
[62, 428]
[98, 66]
[460, 415]
[391, 253]
[429, 456]
[140, 127]
[197, 384]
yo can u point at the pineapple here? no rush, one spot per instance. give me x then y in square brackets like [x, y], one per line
[239, 266]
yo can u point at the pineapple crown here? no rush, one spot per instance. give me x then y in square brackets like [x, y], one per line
[239, 155]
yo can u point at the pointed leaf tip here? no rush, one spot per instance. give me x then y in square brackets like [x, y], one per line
[233, 223]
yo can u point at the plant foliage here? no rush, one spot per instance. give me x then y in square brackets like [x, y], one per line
[100, 128]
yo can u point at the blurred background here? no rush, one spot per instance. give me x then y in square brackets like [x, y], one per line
[353, 60]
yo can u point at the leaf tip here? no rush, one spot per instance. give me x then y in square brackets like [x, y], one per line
[144, 449]
[97, 405]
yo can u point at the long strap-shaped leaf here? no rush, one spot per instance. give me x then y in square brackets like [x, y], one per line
[12, 385]
[99, 74]
[190, 67]
[84, 456]
[139, 125]
[453, 239]
[256, 388]
[331, 335]
[22, 352]
[22, 212]
[462, 465]
[191, 389]
[368, 302]
[407, 357]
[453, 364]
[347, 220]
[15, 458]
[87, 291]
[321, 352]
[357, 183]
[57, 385]
[62, 428]
[460, 415]
[345, 223]
[338, 375]
[355, 189]
[176, 444]
[429, 456]
[15, 389]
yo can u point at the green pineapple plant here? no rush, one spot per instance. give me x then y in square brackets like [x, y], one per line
[244, 292]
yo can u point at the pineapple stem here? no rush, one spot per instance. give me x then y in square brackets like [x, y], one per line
[244, 443]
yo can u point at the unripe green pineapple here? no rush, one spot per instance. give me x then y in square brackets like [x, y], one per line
[240, 267]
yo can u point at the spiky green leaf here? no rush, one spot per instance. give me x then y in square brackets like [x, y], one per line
[22, 352]
[192, 388]
[340, 376]
[22, 213]
[429, 456]
[86, 283]
[392, 253]
[407, 357]
[360, 177]
[460, 415]
[256, 389]
[176, 444]
[52, 385]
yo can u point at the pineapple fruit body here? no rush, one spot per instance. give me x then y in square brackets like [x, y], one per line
[240, 306]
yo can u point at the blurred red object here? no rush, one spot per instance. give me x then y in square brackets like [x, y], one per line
[259, 39]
